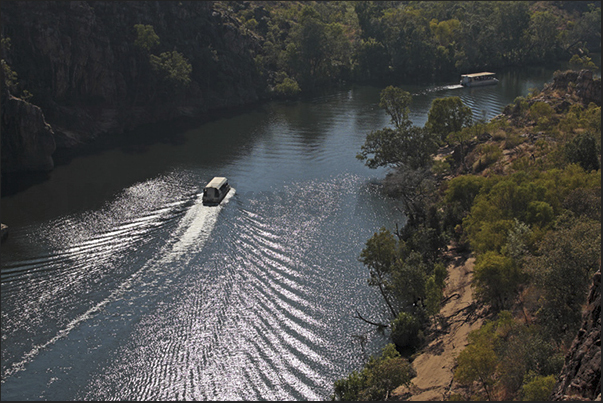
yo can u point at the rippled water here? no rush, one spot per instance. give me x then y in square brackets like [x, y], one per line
[118, 284]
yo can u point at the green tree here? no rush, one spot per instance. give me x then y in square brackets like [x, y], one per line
[463, 190]
[409, 277]
[377, 379]
[461, 139]
[404, 145]
[563, 267]
[434, 289]
[173, 67]
[585, 62]
[380, 255]
[396, 101]
[386, 373]
[405, 330]
[511, 20]
[448, 115]
[543, 35]
[477, 363]
[371, 58]
[518, 241]
[539, 388]
[583, 150]
[496, 279]
[146, 38]
[412, 147]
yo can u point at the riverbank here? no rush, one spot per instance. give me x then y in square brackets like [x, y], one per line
[458, 317]
[460, 314]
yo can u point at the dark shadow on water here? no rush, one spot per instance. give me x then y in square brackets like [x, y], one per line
[16, 182]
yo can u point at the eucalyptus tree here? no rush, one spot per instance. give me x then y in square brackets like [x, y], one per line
[448, 115]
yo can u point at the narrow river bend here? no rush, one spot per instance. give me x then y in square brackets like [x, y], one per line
[118, 284]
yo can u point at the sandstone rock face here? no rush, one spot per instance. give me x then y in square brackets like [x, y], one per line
[27, 140]
[80, 62]
[580, 378]
[587, 88]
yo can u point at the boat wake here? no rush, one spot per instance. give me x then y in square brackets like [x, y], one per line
[196, 227]
[440, 88]
[193, 230]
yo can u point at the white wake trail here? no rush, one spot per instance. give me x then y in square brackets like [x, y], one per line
[195, 229]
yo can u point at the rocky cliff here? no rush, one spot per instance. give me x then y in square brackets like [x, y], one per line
[27, 140]
[581, 83]
[580, 378]
[80, 62]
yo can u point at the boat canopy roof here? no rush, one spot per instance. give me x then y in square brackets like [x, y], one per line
[485, 73]
[216, 182]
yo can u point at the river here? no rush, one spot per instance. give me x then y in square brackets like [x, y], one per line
[118, 284]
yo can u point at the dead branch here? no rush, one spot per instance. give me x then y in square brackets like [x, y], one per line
[358, 316]
[456, 294]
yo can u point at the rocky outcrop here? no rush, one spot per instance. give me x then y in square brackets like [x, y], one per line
[582, 83]
[580, 378]
[27, 140]
[80, 62]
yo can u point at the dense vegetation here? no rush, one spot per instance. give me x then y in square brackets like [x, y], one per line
[287, 47]
[306, 45]
[522, 193]
[196, 56]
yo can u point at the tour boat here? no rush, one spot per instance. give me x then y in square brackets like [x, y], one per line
[478, 79]
[215, 191]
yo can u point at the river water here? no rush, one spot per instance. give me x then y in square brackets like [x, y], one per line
[118, 284]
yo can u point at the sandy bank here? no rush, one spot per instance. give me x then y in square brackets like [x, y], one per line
[435, 365]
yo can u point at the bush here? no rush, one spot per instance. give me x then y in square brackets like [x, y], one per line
[434, 287]
[463, 190]
[539, 388]
[563, 267]
[539, 213]
[496, 279]
[379, 377]
[288, 88]
[583, 150]
[405, 330]
[477, 363]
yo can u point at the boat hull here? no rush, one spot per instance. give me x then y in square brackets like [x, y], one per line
[480, 83]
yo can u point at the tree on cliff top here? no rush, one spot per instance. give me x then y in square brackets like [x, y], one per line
[405, 144]
[173, 67]
[146, 38]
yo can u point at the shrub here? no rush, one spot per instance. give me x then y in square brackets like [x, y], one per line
[496, 279]
[477, 363]
[539, 213]
[405, 330]
[287, 88]
[563, 267]
[379, 377]
[539, 388]
[583, 150]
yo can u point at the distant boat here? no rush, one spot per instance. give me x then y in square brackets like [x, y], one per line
[478, 79]
[215, 191]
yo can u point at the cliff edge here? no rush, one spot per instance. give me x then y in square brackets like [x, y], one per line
[87, 75]
[580, 378]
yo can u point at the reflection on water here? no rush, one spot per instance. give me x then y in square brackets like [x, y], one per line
[117, 283]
